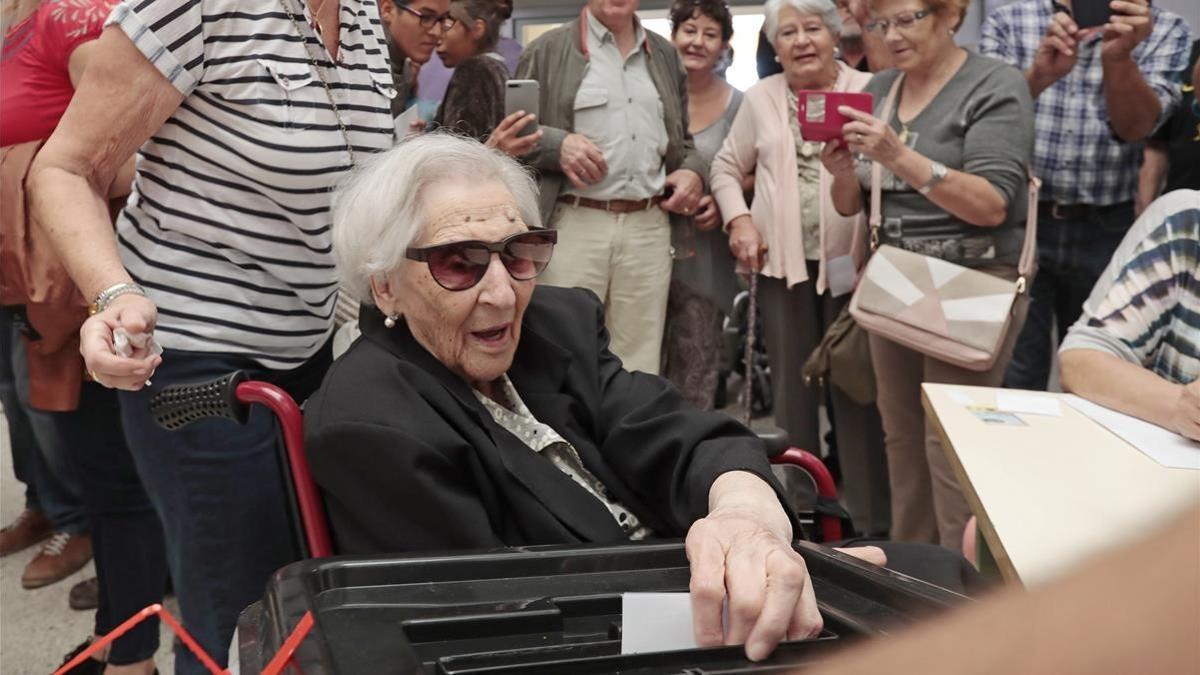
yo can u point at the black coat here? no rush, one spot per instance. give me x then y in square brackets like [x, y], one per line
[409, 460]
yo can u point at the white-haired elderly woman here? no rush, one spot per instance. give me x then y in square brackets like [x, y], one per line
[805, 253]
[477, 410]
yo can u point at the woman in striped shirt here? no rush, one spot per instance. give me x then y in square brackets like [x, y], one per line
[246, 113]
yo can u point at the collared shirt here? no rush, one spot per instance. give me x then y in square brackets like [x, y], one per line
[228, 228]
[1145, 308]
[517, 420]
[618, 108]
[1076, 154]
[808, 180]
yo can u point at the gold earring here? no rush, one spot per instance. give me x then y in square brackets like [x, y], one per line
[390, 320]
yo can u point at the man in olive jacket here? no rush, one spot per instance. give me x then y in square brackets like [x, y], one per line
[617, 167]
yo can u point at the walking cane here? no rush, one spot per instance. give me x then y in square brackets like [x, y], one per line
[748, 356]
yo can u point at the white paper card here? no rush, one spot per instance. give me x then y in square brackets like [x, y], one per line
[656, 622]
[840, 274]
[1165, 447]
[405, 120]
[959, 397]
[1033, 404]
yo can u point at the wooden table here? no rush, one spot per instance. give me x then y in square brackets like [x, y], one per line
[1050, 495]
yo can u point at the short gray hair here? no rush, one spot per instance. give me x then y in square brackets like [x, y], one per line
[379, 211]
[825, 9]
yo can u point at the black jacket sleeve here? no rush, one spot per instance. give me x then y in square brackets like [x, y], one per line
[474, 100]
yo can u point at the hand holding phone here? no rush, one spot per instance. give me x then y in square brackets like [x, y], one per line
[522, 95]
[820, 116]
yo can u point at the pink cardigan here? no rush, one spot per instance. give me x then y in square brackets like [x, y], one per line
[760, 140]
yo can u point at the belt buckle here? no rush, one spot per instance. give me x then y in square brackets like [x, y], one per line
[1056, 211]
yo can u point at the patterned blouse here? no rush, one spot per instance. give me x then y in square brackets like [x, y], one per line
[516, 419]
[808, 177]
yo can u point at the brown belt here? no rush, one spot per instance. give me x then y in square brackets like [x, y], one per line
[612, 205]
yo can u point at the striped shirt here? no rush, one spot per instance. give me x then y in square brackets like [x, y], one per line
[1076, 154]
[1146, 307]
[228, 226]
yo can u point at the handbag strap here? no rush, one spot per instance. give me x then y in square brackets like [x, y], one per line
[876, 218]
[1028, 260]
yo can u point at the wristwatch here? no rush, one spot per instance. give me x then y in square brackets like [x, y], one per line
[109, 294]
[937, 172]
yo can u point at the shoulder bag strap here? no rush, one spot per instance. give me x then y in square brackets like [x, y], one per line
[1028, 262]
[876, 218]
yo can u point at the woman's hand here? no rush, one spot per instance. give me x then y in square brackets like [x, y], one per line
[868, 135]
[708, 216]
[743, 550]
[838, 160]
[137, 315]
[746, 243]
[505, 139]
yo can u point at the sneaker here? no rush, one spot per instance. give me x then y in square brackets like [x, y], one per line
[84, 595]
[28, 529]
[61, 556]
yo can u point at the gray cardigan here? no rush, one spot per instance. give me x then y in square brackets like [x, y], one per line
[557, 61]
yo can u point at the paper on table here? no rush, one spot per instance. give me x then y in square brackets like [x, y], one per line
[404, 120]
[959, 397]
[1017, 402]
[1163, 446]
[656, 622]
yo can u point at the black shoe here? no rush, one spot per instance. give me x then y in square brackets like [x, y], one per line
[88, 667]
[85, 595]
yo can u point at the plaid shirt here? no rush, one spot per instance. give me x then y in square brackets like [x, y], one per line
[1076, 154]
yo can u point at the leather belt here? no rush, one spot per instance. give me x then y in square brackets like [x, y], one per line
[1060, 211]
[612, 205]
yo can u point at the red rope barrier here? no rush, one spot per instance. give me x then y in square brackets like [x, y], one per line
[289, 645]
[134, 620]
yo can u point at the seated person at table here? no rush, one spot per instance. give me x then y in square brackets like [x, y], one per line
[479, 411]
[1136, 348]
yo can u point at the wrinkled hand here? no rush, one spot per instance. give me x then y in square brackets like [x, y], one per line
[838, 159]
[871, 554]
[687, 187]
[1129, 24]
[581, 161]
[869, 136]
[1185, 415]
[505, 139]
[708, 216]
[135, 314]
[1058, 51]
[746, 244]
[770, 593]
[417, 126]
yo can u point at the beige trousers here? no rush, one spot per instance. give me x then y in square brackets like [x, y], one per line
[927, 502]
[625, 258]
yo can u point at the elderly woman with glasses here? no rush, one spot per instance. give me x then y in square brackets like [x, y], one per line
[805, 253]
[954, 157]
[479, 410]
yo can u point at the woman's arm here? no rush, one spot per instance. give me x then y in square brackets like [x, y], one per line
[846, 192]
[734, 163]
[1116, 383]
[1152, 175]
[474, 100]
[122, 99]
[77, 63]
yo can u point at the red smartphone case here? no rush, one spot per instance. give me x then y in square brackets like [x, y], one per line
[818, 112]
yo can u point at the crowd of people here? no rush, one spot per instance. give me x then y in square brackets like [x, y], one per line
[193, 188]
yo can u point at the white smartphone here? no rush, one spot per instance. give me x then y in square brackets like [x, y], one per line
[522, 95]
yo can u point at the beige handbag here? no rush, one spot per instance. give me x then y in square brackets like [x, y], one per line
[943, 310]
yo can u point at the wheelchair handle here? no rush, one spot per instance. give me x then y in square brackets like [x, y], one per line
[179, 405]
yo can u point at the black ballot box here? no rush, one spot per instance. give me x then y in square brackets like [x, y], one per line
[554, 610]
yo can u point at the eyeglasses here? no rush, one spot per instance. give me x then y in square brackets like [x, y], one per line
[902, 21]
[460, 265]
[448, 22]
[427, 20]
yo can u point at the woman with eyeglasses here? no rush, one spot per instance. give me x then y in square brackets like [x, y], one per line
[805, 253]
[413, 29]
[954, 159]
[474, 101]
[481, 410]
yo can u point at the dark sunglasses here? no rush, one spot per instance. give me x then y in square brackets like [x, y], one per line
[459, 265]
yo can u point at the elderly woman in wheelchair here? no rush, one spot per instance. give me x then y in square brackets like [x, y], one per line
[479, 410]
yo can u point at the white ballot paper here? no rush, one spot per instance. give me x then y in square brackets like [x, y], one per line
[656, 622]
[1032, 404]
[404, 120]
[1163, 446]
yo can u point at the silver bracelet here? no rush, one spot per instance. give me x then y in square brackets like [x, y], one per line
[105, 298]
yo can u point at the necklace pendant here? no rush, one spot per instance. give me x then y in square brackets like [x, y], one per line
[806, 150]
[904, 135]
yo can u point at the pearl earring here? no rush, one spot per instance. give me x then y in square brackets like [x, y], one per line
[776, 59]
[390, 320]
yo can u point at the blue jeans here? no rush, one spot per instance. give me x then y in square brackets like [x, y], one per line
[1072, 254]
[218, 488]
[39, 460]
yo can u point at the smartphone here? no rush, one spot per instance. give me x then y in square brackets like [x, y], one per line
[1090, 13]
[818, 112]
[522, 95]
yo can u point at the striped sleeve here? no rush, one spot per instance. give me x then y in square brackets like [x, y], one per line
[1146, 305]
[169, 33]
